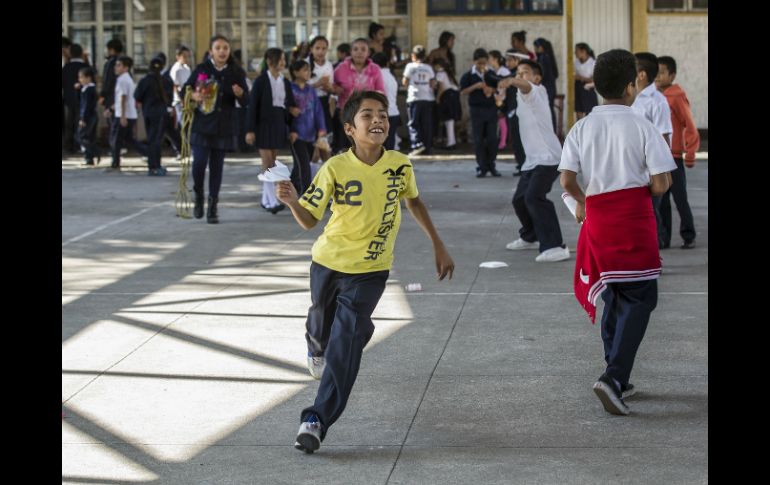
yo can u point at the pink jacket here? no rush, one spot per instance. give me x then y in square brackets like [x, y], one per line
[346, 76]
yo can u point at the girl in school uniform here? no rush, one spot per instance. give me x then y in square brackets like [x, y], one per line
[585, 94]
[448, 98]
[271, 108]
[321, 78]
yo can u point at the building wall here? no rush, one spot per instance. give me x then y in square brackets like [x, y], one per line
[685, 38]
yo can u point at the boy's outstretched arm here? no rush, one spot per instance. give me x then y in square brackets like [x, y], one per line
[444, 264]
[286, 193]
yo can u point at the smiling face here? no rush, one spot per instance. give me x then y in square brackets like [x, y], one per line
[359, 52]
[371, 124]
[525, 72]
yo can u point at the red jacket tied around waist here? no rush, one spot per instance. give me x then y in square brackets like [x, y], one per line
[618, 243]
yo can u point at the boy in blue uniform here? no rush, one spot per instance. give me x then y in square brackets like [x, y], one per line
[88, 119]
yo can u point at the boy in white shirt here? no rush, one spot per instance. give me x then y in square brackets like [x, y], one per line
[540, 224]
[122, 129]
[179, 73]
[624, 161]
[421, 81]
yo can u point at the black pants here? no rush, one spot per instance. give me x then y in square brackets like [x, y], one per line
[627, 309]
[340, 141]
[87, 138]
[302, 152]
[155, 126]
[339, 326]
[421, 124]
[395, 122]
[518, 147]
[171, 134]
[662, 235]
[71, 119]
[484, 125]
[120, 137]
[679, 191]
[215, 159]
[536, 213]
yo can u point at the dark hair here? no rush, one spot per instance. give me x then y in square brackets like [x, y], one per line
[217, 37]
[534, 65]
[116, 45]
[360, 39]
[344, 48]
[126, 61]
[498, 56]
[613, 72]
[669, 62]
[76, 50]
[273, 56]
[447, 67]
[520, 35]
[65, 41]
[353, 104]
[443, 41]
[299, 51]
[230, 59]
[374, 27]
[550, 57]
[480, 53]
[156, 65]
[315, 39]
[296, 66]
[162, 57]
[647, 62]
[88, 72]
[419, 52]
[381, 59]
[182, 48]
[587, 48]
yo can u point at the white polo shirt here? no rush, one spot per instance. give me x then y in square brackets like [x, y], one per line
[652, 104]
[124, 86]
[585, 69]
[279, 90]
[179, 73]
[540, 142]
[419, 75]
[391, 91]
[615, 148]
[327, 69]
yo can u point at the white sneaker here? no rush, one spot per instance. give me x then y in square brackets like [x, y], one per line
[522, 244]
[316, 366]
[552, 255]
[308, 437]
[416, 151]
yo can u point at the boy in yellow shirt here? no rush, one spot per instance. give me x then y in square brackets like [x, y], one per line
[353, 256]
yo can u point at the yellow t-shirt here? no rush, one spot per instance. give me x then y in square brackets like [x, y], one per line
[361, 233]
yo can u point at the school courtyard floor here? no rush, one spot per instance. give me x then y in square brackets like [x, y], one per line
[183, 350]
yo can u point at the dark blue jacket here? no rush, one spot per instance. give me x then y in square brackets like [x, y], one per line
[69, 76]
[261, 100]
[223, 120]
[88, 104]
[150, 93]
[108, 82]
[477, 100]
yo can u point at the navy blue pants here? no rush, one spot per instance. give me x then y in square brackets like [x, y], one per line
[679, 191]
[485, 138]
[302, 152]
[662, 236]
[518, 147]
[215, 159]
[627, 309]
[155, 126]
[339, 326]
[395, 122]
[421, 124]
[535, 212]
[87, 138]
[122, 137]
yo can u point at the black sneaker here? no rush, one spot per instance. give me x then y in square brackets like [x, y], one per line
[610, 396]
[627, 391]
[517, 173]
[495, 173]
[688, 244]
[276, 209]
[481, 174]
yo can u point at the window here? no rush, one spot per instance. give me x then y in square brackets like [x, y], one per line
[495, 7]
[255, 25]
[679, 5]
[146, 27]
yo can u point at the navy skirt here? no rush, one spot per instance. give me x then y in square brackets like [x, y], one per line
[585, 100]
[273, 132]
[449, 108]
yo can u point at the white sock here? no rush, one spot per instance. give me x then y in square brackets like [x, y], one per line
[269, 199]
[450, 133]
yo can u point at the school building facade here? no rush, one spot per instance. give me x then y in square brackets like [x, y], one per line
[678, 28]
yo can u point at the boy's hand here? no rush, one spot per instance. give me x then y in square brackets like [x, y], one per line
[123, 121]
[293, 137]
[294, 111]
[250, 138]
[488, 91]
[444, 263]
[285, 192]
[580, 212]
[82, 124]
